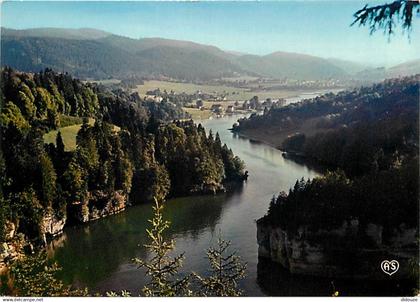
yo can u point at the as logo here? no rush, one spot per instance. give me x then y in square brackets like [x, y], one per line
[390, 267]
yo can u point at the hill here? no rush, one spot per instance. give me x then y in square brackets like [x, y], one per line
[288, 127]
[404, 69]
[95, 54]
[111, 56]
[349, 66]
[290, 65]
[89, 53]
[51, 32]
[87, 151]
[368, 140]
[401, 70]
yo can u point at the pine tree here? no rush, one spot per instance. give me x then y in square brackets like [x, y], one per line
[74, 182]
[49, 178]
[226, 270]
[35, 276]
[388, 15]
[161, 268]
[60, 144]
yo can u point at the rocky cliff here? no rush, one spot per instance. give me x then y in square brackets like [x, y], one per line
[351, 251]
[98, 204]
[51, 226]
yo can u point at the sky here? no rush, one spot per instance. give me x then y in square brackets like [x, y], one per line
[320, 28]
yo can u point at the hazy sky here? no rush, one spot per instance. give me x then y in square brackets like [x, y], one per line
[311, 27]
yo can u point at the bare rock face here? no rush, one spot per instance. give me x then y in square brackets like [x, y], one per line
[339, 253]
[51, 226]
[99, 204]
[11, 249]
[10, 230]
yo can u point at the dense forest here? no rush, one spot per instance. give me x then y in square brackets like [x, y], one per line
[127, 151]
[91, 53]
[369, 139]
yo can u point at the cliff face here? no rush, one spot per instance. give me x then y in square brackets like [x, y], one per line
[11, 249]
[99, 204]
[339, 253]
[52, 226]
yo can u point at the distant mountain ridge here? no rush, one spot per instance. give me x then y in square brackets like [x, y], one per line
[290, 65]
[96, 54]
[52, 32]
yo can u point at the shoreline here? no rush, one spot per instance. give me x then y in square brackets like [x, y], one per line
[295, 157]
[253, 138]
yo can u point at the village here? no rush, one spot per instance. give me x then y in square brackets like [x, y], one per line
[202, 105]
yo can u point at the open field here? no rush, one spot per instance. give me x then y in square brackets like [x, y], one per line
[197, 114]
[68, 134]
[233, 93]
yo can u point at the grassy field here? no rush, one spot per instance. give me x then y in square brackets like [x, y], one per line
[68, 134]
[197, 114]
[240, 93]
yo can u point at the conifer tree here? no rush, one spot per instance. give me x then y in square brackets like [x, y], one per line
[60, 144]
[226, 270]
[49, 178]
[161, 268]
[387, 16]
[35, 276]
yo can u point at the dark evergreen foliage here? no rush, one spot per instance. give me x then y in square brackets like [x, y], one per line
[132, 148]
[371, 143]
[387, 16]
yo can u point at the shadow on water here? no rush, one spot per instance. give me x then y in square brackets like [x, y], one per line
[274, 280]
[99, 254]
[305, 162]
[91, 253]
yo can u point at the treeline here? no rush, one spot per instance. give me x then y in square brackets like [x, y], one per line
[363, 148]
[144, 157]
[372, 150]
[388, 198]
[346, 108]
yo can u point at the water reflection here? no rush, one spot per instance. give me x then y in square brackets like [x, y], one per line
[276, 281]
[89, 254]
[99, 254]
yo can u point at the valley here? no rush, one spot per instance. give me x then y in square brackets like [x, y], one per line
[209, 149]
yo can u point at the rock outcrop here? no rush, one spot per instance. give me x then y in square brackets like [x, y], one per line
[99, 204]
[12, 248]
[51, 226]
[351, 251]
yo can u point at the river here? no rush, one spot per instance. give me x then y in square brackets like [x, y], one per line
[98, 255]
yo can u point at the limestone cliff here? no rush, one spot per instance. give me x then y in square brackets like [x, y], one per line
[351, 251]
[99, 204]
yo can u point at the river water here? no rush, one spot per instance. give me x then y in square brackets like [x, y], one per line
[98, 255]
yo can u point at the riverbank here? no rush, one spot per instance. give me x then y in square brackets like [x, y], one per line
[258, 138]
[195, 223]
[275, 137]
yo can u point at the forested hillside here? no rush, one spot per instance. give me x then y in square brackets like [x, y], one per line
[111, 56]
[127, 155]
[369, 140]
[348, 129]
[105, 55]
